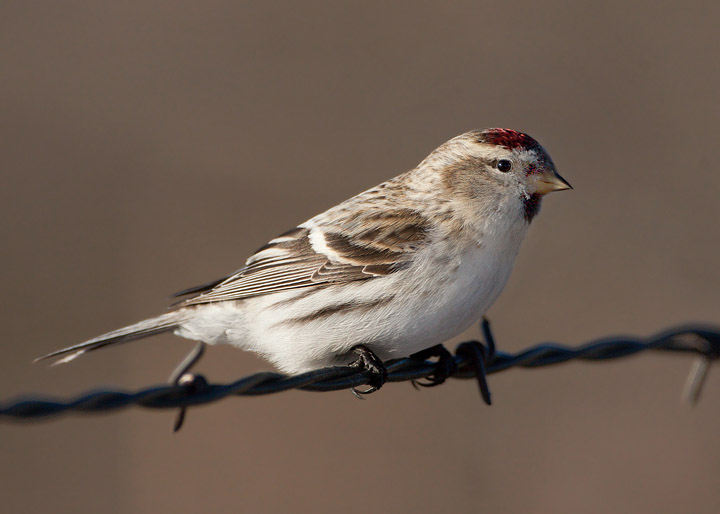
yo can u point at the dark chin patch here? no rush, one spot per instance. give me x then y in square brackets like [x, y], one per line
[531, 207]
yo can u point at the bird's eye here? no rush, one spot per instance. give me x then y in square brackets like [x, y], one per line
[504, 165]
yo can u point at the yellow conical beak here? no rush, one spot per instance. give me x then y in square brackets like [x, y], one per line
[550, 181]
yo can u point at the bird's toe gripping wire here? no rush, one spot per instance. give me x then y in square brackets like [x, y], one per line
[474, 354]
[445, 367]
[370, 363]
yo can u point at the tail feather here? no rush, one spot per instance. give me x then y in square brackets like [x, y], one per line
[145, 328]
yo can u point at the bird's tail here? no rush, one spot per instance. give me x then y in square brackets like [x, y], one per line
[145, 328]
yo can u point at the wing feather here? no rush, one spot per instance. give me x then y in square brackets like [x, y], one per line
[316, 254]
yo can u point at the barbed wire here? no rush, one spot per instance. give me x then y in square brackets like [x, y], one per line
[472, 359]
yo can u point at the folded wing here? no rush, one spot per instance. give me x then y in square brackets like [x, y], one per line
[357, 246]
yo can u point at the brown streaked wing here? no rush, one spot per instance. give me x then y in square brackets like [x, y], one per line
[366, 245]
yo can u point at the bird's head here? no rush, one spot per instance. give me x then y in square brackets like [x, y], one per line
[495, 167]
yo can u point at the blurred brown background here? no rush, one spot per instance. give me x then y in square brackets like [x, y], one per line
[150, 146]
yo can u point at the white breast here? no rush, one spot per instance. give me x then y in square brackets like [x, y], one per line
[447, 288]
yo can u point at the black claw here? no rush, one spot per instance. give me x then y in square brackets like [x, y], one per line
[445, 366]
[368, 362]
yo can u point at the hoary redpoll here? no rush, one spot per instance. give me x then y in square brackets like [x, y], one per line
[394, 270]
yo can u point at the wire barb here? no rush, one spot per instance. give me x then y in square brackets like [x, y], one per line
[192, 382]
[696, 380]
[472, 360]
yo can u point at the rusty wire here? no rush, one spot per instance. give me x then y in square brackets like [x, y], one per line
[188, 390]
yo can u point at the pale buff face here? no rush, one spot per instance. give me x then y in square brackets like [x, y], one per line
[490, 170]
[472, 166]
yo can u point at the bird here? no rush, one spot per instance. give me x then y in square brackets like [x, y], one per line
[388, 273]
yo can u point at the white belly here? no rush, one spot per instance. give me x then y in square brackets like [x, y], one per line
[395, 315]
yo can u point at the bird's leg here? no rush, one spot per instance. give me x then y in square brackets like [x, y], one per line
[445, 366]
[190, 381]
[368, 362]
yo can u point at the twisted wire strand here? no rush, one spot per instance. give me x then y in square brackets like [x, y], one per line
[700, 340]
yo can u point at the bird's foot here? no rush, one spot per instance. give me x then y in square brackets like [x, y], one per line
[368, 362]
[445, 366]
